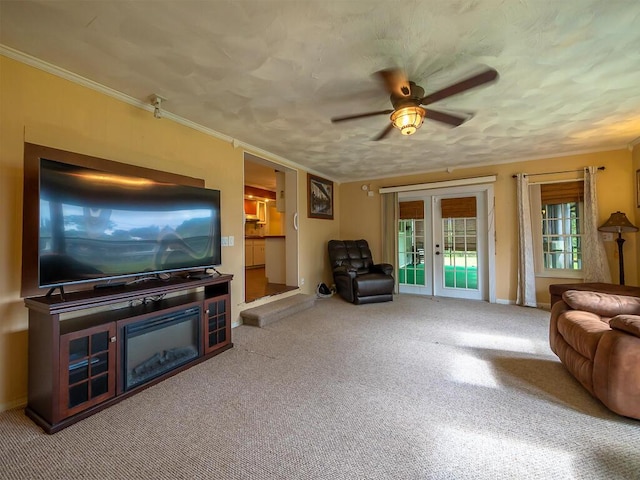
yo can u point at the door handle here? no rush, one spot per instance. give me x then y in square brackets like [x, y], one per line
[295, 220]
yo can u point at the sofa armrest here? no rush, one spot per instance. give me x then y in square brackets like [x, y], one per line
[557, 309]
[385, 268]
[626, 323]
[345, 270]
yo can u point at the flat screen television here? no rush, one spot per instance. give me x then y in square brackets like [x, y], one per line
[97, 225]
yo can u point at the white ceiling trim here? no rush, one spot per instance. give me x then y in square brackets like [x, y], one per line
[85, 82]
[443, 184]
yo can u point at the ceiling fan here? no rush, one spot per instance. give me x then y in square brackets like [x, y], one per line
[407, 99]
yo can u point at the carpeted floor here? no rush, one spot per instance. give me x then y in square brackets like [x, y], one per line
[417, 388]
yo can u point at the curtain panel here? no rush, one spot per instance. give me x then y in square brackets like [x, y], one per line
[595, 267]
[526, 293]
[390, 214]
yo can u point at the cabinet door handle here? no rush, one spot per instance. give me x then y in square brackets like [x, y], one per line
[295, 220]
[112, 339]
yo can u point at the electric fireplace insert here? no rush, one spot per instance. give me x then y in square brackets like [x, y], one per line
[157, 345]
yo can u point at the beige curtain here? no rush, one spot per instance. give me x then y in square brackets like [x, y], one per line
[390, 233]
[526, 294]
[595, 267]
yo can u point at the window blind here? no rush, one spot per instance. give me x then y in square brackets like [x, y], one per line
[562, 192]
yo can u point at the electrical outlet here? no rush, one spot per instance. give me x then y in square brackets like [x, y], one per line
[607, 236]
[302, 281]
[231, 240]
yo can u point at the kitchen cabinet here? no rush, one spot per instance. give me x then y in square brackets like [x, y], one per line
[254, 252]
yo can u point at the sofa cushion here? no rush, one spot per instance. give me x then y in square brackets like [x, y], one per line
[582, 331]
[626, 323]
[603, 304]
[556, 290]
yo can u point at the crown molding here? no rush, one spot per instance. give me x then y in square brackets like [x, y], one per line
[85, 82]
[633, 143]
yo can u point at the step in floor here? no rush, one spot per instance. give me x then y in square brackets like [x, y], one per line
[274, 311]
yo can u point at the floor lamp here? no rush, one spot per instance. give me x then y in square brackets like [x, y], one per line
[618, 223]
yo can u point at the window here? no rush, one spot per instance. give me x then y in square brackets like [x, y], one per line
[561, 236]
[557, 228]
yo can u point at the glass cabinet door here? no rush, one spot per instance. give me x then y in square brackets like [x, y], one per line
[217, 328]
[87, 368]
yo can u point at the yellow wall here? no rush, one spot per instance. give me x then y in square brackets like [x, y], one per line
[41, 108]
[314, 235]
[360, 214]
[636, 168]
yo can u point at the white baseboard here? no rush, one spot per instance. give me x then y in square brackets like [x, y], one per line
[541, 306]
[503, 301]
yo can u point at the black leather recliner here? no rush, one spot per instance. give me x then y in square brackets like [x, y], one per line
[357, 278]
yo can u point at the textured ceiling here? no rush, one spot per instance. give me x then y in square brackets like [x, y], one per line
[272, 73]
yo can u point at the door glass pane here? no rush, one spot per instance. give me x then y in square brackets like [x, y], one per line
[78, 371]
[460, 261]
[78, 348]
[78, 394]
[99, 385]
[411, 252]
[99, 364]
[99, 342]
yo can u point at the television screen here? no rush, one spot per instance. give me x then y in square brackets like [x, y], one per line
[97, 225]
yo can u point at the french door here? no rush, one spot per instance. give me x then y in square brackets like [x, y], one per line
[443, 243]
[458, 263]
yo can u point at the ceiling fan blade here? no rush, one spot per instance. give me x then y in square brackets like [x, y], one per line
[395, 81]
[447, 118]
[361, 115]
[471, 82]
[383, 133]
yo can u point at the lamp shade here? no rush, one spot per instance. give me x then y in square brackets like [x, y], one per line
[618, 222]
[408, 119]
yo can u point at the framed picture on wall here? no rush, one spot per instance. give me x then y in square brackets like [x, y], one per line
[319, 197]
[638, 188]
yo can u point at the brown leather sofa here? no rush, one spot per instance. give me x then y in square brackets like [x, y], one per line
[358, 280]
[597, 338]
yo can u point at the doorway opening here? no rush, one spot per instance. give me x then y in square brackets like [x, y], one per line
[270, 228]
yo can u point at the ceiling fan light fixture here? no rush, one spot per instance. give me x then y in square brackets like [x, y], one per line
[408, 119]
